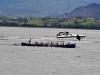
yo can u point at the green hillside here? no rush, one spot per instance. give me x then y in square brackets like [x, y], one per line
[81, 23]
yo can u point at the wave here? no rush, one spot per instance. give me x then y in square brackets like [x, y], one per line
[1, 36]
[7, 38]
[14, 37]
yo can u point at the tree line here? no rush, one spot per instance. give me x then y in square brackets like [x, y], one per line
[54, 23]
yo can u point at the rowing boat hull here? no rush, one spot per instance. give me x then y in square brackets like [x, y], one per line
[63, 46]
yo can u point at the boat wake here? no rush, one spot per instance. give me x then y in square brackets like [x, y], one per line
[9, 38]
[14, 37]
[16, 44]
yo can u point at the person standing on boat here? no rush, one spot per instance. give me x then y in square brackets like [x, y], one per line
[29, 41]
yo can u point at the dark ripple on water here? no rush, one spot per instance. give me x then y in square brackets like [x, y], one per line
[1, 36]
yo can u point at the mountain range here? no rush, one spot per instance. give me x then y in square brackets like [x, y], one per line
[89, 11]
[41, 7]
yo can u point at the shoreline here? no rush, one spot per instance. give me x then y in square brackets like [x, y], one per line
[50, 27]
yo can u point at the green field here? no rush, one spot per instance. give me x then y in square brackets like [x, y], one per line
[52, 22]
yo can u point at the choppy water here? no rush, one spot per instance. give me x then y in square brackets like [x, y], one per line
[19, 60]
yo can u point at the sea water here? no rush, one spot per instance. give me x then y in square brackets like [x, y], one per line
[22, 60]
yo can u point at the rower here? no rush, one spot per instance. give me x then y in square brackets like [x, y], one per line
[29, 41]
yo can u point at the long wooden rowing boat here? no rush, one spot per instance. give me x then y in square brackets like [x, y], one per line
[50, 45]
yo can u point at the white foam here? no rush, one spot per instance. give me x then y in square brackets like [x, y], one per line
[14, 37]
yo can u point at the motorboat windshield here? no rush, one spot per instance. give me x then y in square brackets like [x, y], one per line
[62, 33]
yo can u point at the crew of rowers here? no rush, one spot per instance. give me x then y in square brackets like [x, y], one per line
[47, 43]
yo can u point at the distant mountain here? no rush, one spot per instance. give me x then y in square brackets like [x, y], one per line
[41, 7]
[91, 10]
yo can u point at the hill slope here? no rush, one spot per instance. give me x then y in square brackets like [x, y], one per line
[91, 10]
[41, 7]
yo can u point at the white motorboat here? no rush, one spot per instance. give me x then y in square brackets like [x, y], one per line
[69, 35]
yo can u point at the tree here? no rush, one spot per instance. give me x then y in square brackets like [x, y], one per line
[76, 22]
[85, 20]
[79, 17]
[25, 20]
[20, 20]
